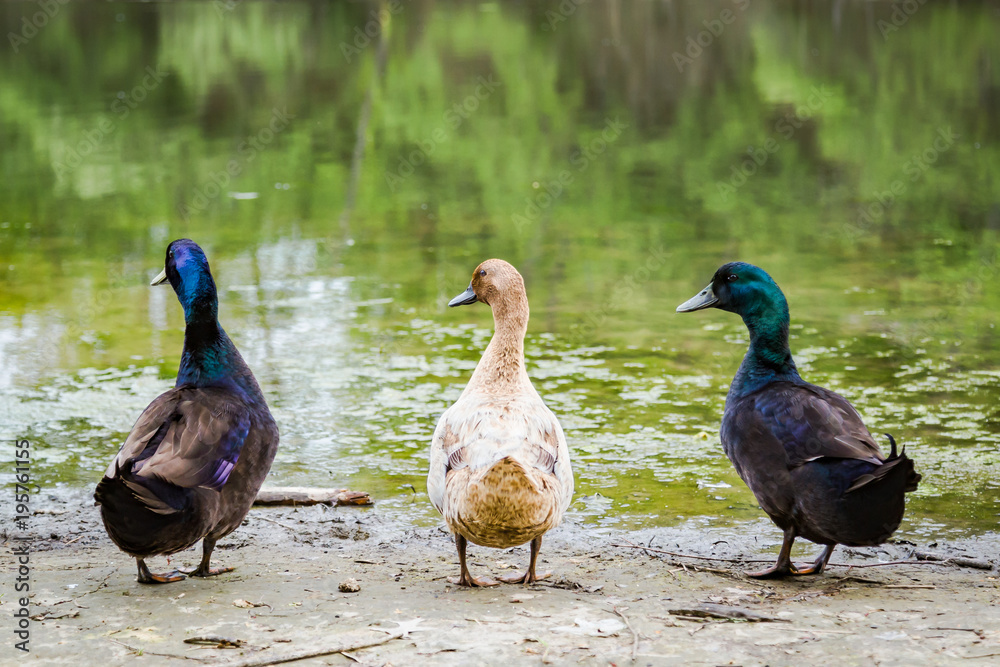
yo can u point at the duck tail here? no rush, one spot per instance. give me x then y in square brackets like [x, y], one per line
[912, 476]
[896, 471]
[141, 516]
[508, 472]
[892, 444]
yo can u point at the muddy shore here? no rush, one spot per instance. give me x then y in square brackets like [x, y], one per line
[604, 605]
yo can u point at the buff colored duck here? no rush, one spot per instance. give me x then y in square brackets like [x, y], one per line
[197, 455]
[499, 466]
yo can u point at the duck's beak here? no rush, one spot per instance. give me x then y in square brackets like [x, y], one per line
[465, 298]
[703, 299]
[160, 278]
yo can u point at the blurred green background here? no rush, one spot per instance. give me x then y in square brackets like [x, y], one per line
[347, 165]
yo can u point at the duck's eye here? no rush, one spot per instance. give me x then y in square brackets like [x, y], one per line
[732, 277]
[482, 272]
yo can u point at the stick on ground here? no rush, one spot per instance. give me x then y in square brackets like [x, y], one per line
[939, 560]
[345, 643]
[635, 635]
[301, 495]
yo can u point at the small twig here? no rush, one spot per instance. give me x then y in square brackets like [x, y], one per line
[673, 553]
[985, 655]
[884, 563]
[104, 582]
[283, 525]
[141, 652]
[757, 560]
[978, 633]
[635, 635]
[835, 632]
[313, 653]
[216, 641]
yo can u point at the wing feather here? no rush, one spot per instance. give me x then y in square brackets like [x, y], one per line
[186, 437]
[478, 431]
[811, 423]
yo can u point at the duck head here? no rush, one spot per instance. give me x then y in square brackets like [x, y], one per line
[494, 282]
[186, 269]
[743, 289]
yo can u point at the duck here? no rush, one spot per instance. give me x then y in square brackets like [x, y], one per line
[193, 462]
[803, 450]
[500, 471]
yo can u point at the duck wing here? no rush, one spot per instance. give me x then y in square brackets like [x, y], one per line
[187, 437]
[480, 437]
[809, 422]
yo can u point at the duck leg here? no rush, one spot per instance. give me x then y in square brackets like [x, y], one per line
[528, 577]
[203, 570]
[466, 579]
[819, 564]
[783, 566]
[147, 577]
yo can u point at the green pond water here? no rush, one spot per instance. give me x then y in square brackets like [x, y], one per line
[345, 186]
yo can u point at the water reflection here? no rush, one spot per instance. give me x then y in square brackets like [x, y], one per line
[337, 238]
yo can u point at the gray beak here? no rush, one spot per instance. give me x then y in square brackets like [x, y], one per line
[465, 298]
[160, 278]
[703, 299]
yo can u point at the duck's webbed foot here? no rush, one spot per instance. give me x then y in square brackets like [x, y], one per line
[819, 564]
[783, 566]
[207, 571]
[466, 578]
[203, 569]
[147, 577]
[473, 582]
[776, 571]
[529, 577]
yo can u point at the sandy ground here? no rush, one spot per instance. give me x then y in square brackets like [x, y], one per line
[605, 605]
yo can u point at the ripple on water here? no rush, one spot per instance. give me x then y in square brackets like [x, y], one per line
[357, 400]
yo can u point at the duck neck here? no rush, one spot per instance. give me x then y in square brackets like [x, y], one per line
[210, 359]
[501, 370]
[769, 358]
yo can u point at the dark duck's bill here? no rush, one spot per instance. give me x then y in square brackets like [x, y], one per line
[703, 299]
